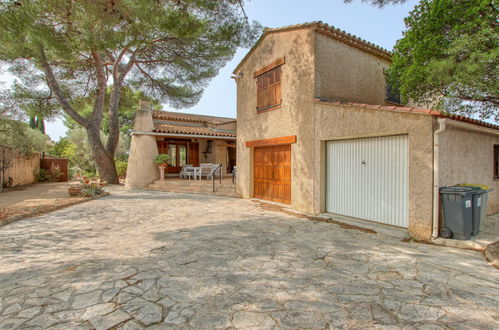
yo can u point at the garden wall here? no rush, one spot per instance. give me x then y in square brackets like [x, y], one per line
[24, 169]
[49, 163]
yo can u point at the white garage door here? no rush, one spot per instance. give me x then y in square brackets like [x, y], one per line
[367, 179]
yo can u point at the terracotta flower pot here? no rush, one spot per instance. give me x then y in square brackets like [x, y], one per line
[74, 191]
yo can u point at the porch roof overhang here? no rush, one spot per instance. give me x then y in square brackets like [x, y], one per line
[191, 136]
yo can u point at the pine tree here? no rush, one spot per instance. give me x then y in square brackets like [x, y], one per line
[449, 57]
[32, 122]
[169, 50]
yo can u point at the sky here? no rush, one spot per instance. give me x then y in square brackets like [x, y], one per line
[382, 27]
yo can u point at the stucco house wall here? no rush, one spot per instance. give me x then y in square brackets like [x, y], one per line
[349, 74]
[471, 160]
[334, 122]
[293, 118]
[320, 76]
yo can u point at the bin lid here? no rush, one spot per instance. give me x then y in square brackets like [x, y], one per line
[457, 190]
[476, 185]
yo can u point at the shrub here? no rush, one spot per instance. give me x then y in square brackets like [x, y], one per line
[91, 191]
[121, 167]
[43, 175]
[91, 175]
[55, 173]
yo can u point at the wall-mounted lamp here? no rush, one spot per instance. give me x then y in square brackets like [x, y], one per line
[236, 76]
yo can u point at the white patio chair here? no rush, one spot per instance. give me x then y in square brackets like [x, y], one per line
[208, 170]
[187, 171]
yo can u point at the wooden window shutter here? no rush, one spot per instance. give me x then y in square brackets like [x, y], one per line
[269, 94]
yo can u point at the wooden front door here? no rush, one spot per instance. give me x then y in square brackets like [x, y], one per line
[177, 150]
[272, 173]
[193, 153]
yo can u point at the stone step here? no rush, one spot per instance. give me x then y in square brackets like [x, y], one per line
[228, 190]
[216, 193]
[193, 183]
[201, 188]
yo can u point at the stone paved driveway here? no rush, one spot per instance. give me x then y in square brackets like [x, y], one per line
[160, 260]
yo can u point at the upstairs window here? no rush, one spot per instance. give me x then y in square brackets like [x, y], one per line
[268, 86]
[392, 94]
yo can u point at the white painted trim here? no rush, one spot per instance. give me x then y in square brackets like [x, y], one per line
[436, 175]
[185, 135]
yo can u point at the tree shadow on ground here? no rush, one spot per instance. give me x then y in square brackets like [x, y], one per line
[260, 270]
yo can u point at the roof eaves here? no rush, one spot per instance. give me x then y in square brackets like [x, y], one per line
[268, 30]
[328, 30]
[421, 111]
[190, 117]
[192, 130]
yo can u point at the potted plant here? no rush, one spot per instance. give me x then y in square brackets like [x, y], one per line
[162, 161]
[74, 190]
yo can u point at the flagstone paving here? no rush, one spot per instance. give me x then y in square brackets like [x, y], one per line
[161, 260]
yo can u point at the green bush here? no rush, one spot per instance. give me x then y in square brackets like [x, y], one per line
[121, 167]
[91, 192]
[91, 175]
[43, 175]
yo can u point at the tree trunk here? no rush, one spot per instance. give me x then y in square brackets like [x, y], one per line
[114, 124]
[103, 160]
[1, 177]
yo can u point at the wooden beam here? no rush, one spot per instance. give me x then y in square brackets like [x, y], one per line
[269, 67]
[272, 141]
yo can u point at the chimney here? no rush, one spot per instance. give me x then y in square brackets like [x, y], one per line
[143, 117]
[145, 105]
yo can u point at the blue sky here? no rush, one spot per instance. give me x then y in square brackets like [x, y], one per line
[380, 26]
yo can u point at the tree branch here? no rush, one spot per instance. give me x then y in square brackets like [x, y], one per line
[153, 61]
[119, 75]
[56, 89]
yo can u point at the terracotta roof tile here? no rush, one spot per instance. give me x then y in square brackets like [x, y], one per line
[335, 33]
[470, 121]
[429, 112]
[191, 130]
[165, 115]
[353, 40]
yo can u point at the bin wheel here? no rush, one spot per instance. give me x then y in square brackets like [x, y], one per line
[445, 233]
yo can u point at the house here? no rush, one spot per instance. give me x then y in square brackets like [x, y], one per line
[317, 130]
[186, 138]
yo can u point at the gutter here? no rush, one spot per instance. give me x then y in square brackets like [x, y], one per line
[185, 135]
[436, 176]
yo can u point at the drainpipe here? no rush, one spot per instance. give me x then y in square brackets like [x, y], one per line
[436, 159]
